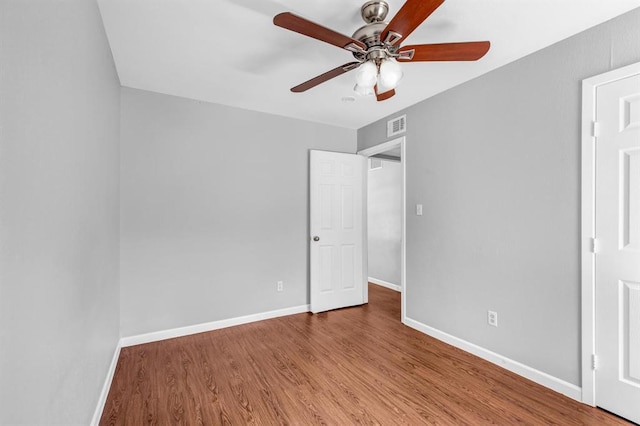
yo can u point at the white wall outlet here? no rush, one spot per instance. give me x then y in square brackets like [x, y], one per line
[418, 209]
[280, 286]
[492, 318]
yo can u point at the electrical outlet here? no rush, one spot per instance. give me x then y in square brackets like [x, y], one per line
[492, 318]
[280, 286]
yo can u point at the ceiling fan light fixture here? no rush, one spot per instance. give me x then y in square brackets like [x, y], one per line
[363, 91]
[390, 75]
[367, 75]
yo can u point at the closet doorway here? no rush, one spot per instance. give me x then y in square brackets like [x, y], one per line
[385, 229]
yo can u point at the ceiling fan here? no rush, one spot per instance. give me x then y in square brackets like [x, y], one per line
[376, 46]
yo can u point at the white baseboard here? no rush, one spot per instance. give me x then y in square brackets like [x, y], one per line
[209, 326]
[102, 400]
[544, 379]
[386, 284]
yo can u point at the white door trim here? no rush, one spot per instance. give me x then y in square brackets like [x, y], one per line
[589, 87]
[377, 149]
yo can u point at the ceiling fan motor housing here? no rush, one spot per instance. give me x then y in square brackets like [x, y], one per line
[373, 13]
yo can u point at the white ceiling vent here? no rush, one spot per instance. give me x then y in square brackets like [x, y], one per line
[375, 163]
[396, 126]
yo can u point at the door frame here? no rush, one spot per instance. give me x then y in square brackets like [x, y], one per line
[589, 87]
[369, 152]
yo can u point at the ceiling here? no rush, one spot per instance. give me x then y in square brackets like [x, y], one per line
[229, 52]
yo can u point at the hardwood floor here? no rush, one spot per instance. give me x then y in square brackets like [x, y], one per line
[350, 366]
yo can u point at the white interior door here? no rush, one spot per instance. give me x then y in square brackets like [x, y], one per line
[337, 278]
[618, 256]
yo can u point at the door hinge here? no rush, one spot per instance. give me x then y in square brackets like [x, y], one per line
[594, 361]
[595, 245]
[595, 129]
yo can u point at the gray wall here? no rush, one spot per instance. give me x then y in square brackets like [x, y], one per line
[59, 101]
[497, 162]
[384, 221]
[214, 210]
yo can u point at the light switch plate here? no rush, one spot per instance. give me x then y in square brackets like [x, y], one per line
[418, 209]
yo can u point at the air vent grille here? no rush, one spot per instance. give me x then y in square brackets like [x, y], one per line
[397, 125]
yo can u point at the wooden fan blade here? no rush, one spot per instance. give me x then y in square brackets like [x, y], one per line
[383, 96]
[303, 26]
[466, 51]
[324, 77]
[410, 15]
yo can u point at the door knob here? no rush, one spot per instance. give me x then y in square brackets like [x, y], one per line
[316, 238]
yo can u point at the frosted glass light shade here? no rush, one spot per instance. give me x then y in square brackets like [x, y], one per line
[363, 90]
[390, 75]
[367, 75]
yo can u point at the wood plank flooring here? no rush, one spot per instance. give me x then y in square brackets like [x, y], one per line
[350, 366]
